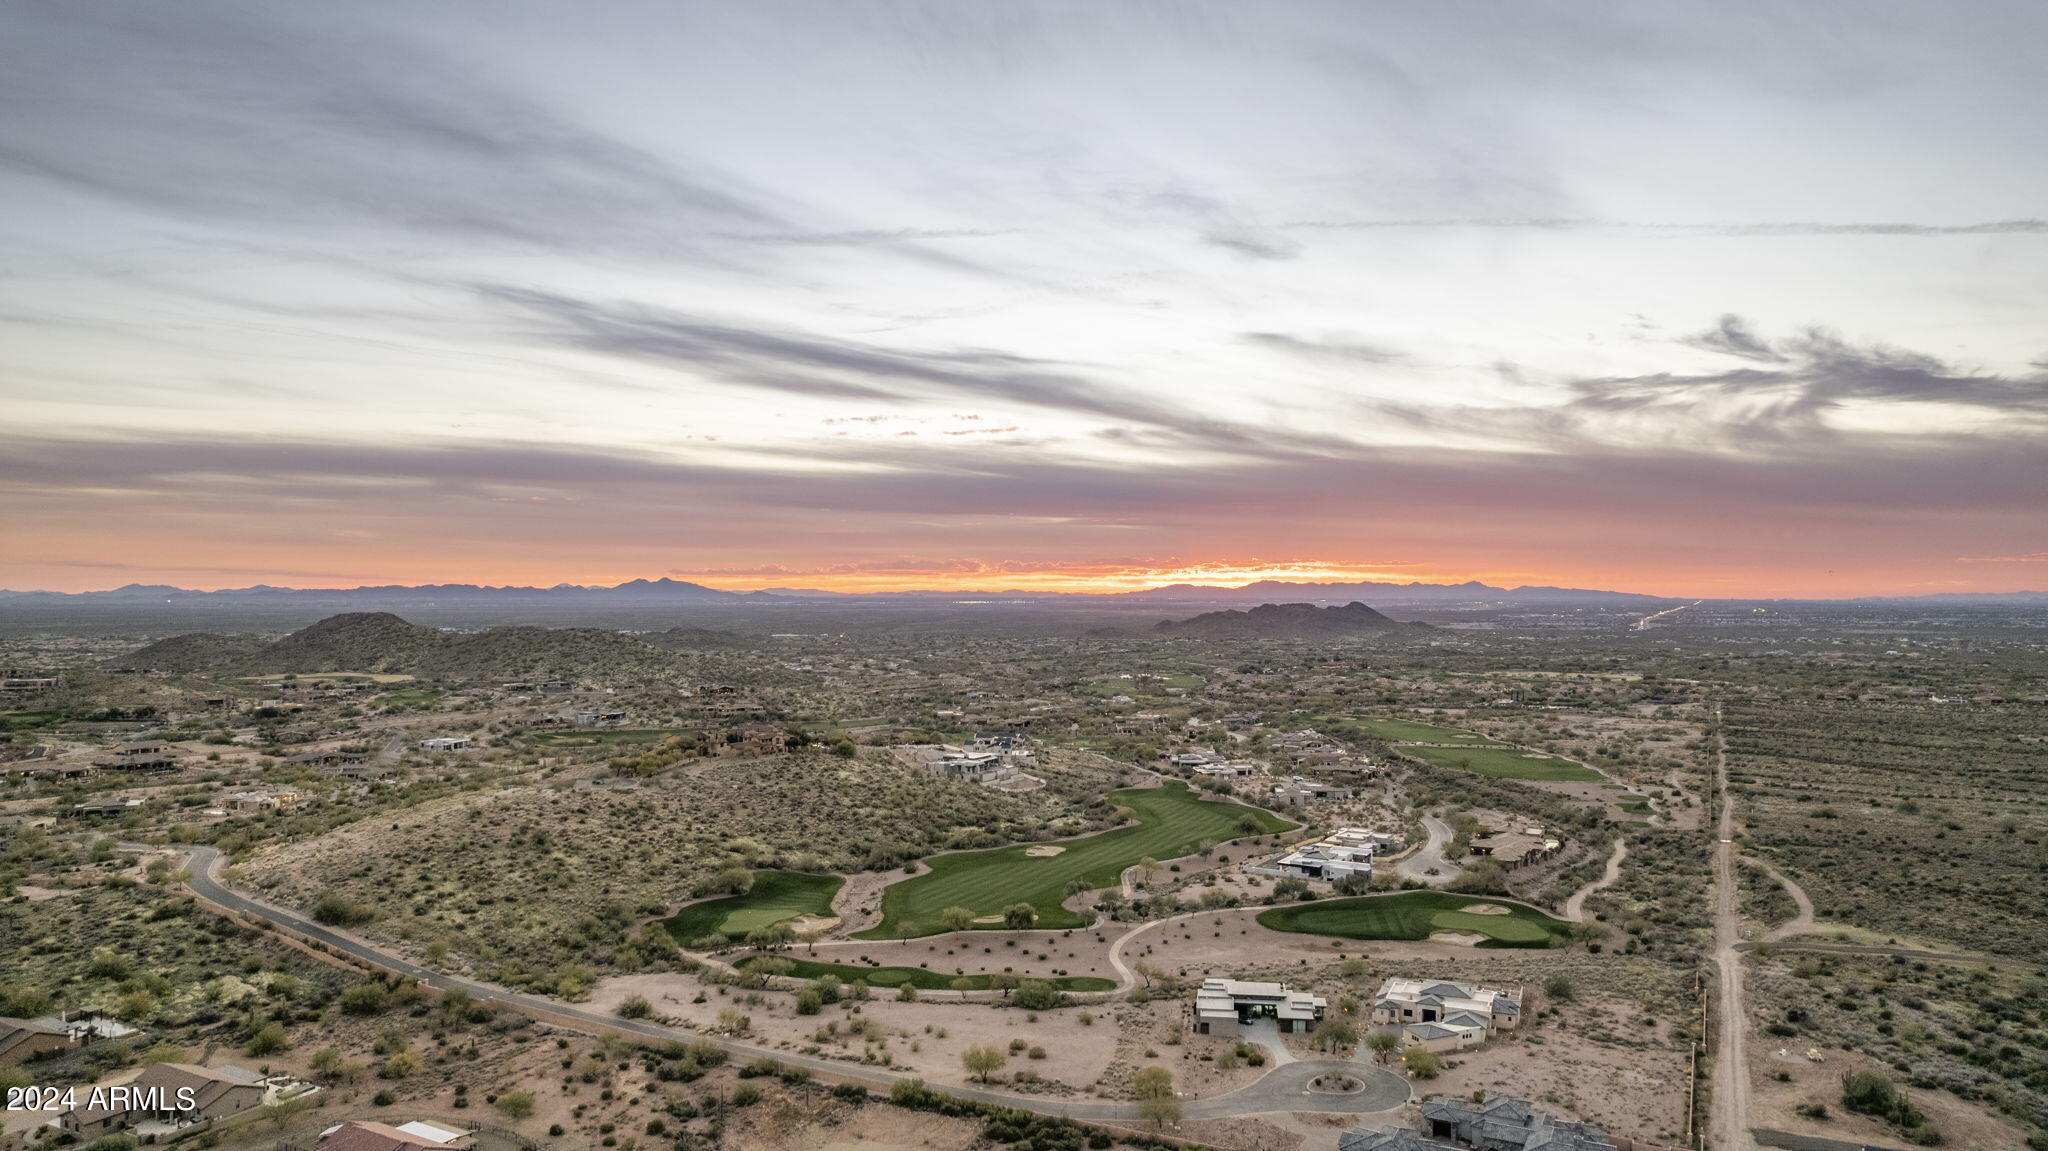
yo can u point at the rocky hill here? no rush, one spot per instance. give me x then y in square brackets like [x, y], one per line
[382, 642]
[698, 639]
[194, 651]
[1284, 621]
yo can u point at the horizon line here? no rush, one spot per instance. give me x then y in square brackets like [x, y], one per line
[1012, 591]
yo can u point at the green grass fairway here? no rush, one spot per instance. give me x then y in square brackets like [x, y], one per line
[925, 980]
[776, 896]
[1404, 731]
[1503, 763]
[602, 737]
[27, 720]
[1415, 915]
[1172, 822]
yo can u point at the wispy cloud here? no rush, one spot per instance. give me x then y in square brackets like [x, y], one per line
[2015, 227]
[780, 359]
[1328, 349]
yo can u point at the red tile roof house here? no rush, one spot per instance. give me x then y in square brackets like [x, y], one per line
[166, 1097]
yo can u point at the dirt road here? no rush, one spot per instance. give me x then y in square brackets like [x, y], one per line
[1730, 1126]
[1575, 907]
[1799, 924]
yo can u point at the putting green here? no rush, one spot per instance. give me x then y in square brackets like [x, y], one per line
[1417, 915]
[1172, 821]
[776, 897]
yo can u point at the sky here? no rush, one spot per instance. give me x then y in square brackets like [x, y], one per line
[1742, 299]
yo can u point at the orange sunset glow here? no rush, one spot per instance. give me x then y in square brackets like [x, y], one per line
[374, 295]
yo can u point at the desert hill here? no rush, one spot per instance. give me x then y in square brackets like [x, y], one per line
[382, 642]
[1284, 621]
[697, 639]
[194, 651]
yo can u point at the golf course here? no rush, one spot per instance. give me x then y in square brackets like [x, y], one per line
[776, 897]
[1504, 763]
[1416, 915]
[1172, 821]
[927, 980]
[1410, 731]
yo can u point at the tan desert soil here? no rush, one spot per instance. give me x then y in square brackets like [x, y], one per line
[1962, 1124]
[911, 1032]
[1638, 1092]
[859, 902]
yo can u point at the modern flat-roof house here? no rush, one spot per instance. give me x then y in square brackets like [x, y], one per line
[446, 743]
[107, 805]
[1194, 758]
[263, 799]
[327, 756]
[23, 1039]
[215, 1093]
[991, 759]
[1345, 851]
[49, 769]
[364, 1135]
[149, 755]
[1237, 770]
[1499, 1124]
[1298, 790]
[1224, 1006]
[1443, 1016]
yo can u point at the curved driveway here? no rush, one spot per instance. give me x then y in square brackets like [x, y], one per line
[1282, 1089]
[1431, 855]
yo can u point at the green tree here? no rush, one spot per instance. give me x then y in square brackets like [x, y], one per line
[1156, 1103]
[1037, 995]
[957, 918]
[1019, 916]
[517, 1104]
[1422, 1063]
[268, 1040]
[635, 1007]
[1334, 1035]
[983, 1060]
[1383, 1042]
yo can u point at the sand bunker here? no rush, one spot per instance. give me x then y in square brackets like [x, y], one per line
[1485, 909]
[1043, 849]
[803, 923]
[1456, 937]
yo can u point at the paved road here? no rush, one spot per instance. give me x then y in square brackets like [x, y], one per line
[1730, 1125]
[1282, 1089]
[1431, 855]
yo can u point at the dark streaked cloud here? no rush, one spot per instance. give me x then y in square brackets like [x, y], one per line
[779, 359]
[1330, 350]
[1733, 337]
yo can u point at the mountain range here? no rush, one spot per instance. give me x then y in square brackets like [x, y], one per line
[665, 591]
[382, 642]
